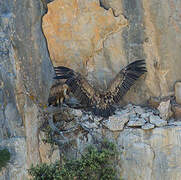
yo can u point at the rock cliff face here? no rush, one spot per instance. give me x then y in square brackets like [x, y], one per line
[25, 73]
[95, 38]
[98, 38]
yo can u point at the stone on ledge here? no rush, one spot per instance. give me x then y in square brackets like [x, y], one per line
[137, 122]
[147, 126]
[157, 121]
[175, 123]
[165, 110]
[90, 125]
[116, 123]
[139, 110]
[77, 112]
[145, 115]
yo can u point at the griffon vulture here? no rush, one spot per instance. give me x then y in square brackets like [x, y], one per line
[100, 103]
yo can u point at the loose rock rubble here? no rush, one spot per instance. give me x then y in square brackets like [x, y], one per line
[157, 121]
[138, 117]
[165, 110]
[117, 122]
[137, 122]
[148, 126]
[131, 116]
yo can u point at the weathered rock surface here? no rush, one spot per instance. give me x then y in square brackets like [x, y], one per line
[177, 111]
[165, 110]
[175, 123]
[145, 115]
[93, 40]
[96, 42]
[25, 76]
[178, 92]
[147, 151]
[147, 126]
[116, 122]
[154, 102]
[48, 153]
[81, 31]
[149, 155]
[17, 167]
[157, 121]
[138, 110]
[136, 122]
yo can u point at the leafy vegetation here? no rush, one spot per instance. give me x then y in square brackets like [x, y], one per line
[4, 158]
[97, 163]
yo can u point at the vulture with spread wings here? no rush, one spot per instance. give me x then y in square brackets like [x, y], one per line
[100, 103]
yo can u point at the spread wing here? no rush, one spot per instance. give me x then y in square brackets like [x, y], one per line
[125, 79]
[77, 84]
[101, 104]
[117, 88]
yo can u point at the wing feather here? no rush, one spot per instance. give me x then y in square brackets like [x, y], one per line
[125, 79]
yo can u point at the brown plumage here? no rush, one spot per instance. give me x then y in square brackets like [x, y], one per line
[58, 92]
[101, 103]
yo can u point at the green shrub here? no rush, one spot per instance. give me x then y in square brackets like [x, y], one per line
[97, 163]
[4, 158]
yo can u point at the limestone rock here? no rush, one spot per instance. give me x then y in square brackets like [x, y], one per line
[129, 107]
[139, 110]
[136, 153]
[149, 155]
[48, 153]
[136, 122]
[116, 5]
[145, 115]
[97, 119]
[154, 102]
[81, 30]
[147, 126]
[126, 110]
[86, 117]
[132, 115]
[157, 121]
[90, 125]
[25, 78]
[96, 41]
[177, 111]
[17, 168]
[175, 123]
[165, 110]
[178, 92]
[116, 123]
[77, 112]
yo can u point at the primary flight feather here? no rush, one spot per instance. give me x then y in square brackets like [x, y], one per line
[100, 103]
